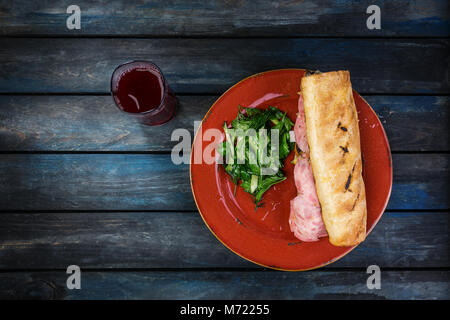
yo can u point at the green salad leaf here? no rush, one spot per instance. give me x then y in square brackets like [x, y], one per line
[250, 153]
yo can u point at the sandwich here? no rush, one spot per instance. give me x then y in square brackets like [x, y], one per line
[331, 197]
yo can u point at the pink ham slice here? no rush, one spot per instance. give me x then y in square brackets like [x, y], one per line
[300, 128]
[305, 218]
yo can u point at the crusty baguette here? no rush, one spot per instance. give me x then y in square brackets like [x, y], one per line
[335, 152]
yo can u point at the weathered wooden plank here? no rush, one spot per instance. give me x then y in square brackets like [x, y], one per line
[88, 123]
[153, 182]
[415, 123]
[226, 18]
[213, 65]
[181, 240]
[99, 182]
[415, 176]
[92, 123]
[226, 285]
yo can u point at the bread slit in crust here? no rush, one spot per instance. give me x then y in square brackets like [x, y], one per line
[335, 153]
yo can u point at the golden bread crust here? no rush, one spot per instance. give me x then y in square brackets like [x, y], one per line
[335, 153]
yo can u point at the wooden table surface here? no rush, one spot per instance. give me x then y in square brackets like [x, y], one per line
[82, 183]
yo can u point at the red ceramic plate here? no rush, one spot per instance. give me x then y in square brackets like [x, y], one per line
[264, 237]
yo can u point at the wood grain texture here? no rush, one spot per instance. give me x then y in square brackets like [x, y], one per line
[152, 182]
[212, 65]
[93, 123]
[226, 285]
[226, 18]
[182, 240]
[114, 211]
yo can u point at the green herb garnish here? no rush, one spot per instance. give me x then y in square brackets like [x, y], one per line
[250, 154]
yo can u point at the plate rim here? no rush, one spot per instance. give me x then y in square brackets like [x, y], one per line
[261, 264]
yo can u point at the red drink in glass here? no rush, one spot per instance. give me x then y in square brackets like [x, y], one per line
[139, 88]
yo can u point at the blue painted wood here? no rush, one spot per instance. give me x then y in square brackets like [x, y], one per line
[213, 65]
[414, 123]
[182, 240]
[226, 285]
[226, 18]
[47, 182]
[93, 123]
[153, 182]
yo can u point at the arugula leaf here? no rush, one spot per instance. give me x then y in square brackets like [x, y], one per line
[250, 157]
[265, 184]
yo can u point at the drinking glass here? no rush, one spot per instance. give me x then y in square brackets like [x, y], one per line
[140, 89]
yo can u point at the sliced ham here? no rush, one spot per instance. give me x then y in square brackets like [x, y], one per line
[305, 218]
[300, 128]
